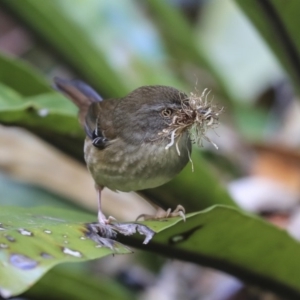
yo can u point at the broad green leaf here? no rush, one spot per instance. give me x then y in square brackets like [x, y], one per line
[51, 116]
[34, 240]
[67, 283]
[49, 21]
[21, 77]
[278, 23]
[232, 241]
[49, 112]
[220, 237]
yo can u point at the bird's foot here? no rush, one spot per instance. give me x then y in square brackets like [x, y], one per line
[103, 220]
[103, 234]
[131, 228]
[105, 231]
[162, 214]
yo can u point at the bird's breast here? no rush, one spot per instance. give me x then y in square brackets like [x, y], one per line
[126, 167]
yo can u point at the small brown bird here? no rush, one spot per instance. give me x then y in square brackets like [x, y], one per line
[139, 141]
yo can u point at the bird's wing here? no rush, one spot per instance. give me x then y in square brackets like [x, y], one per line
[98, 122]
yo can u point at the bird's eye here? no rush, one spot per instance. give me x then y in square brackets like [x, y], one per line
[166, 113]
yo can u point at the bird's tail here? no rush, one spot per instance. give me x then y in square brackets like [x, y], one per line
[80, 93]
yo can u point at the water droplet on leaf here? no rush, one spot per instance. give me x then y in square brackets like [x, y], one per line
[25, 232]
[72, 252]
[5, 293]
[177, 238]
[43, 112]
[46, 255]
[22, 262]
[10, 238]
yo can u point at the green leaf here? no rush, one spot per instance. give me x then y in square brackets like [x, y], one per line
[26, 100]
[21, 77]
[220, 237]
[34, 240]
[54, 25]
[278, 23]
[51, 116]
[231, 241]
[66, 283]
[49, 112]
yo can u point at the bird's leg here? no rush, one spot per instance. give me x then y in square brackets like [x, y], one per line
[101, 217]
[162, 214]
[104, 227]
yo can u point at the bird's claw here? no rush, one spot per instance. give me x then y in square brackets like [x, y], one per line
[110, 219]
[182, 215]
[103, 220]
[162, 214]
[179, 211]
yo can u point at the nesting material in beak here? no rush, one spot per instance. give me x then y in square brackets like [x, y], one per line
[197, 114]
